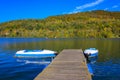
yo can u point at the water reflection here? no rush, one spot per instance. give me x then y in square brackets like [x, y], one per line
[108, 48]
[35, 60]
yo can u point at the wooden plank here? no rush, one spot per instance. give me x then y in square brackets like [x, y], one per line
[70, 64]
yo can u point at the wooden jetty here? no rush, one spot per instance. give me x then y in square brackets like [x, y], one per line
[70, 64]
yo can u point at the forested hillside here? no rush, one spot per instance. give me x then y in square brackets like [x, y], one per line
[94, 24]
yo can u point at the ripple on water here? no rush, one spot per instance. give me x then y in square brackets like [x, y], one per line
[106, 70]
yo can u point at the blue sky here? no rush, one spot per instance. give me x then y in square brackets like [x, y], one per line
[38, 9]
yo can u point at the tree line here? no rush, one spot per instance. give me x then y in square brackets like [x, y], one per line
[94, 24]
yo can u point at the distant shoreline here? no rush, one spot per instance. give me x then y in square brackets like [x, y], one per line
[94, 24]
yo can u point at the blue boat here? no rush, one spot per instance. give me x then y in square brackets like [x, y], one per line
[35, 53]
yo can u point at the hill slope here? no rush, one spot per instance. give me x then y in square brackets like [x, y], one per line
[95, 24]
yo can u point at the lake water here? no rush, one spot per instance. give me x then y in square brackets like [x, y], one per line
[107, 66]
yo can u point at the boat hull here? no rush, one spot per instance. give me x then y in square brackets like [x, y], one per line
[35, 55]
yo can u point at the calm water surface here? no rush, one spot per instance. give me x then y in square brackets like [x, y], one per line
[107, 66]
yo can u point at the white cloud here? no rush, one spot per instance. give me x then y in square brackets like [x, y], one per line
[89, 5]
[115, 6]
[79, 8]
